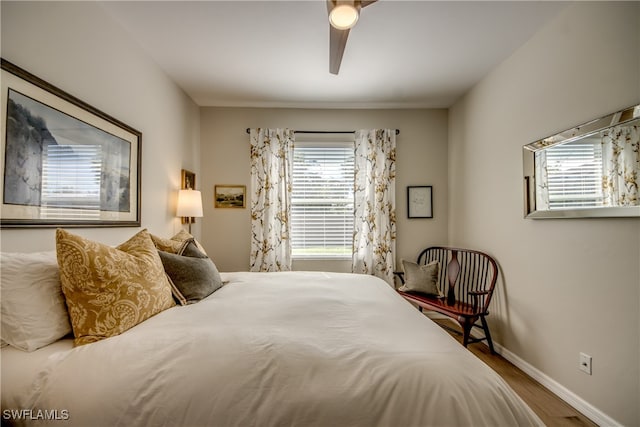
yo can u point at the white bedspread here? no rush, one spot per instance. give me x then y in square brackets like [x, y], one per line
[277, 349]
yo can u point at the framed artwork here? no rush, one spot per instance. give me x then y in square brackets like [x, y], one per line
[420, 201]
[229, 196]
[64, 163]
[188, 180]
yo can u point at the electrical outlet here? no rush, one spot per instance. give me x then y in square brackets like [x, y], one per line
[585, 363]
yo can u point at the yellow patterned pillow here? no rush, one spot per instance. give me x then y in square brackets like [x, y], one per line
[109, 290]
[173, 246]
[177, 243]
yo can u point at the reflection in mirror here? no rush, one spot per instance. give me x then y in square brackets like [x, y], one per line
[592, 170]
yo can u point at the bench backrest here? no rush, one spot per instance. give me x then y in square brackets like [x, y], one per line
[463, 271]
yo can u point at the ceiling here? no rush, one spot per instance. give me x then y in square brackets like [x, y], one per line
[401, 54]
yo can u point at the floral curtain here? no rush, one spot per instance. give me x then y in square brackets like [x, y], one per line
[374, 234]
[620, 164]
[271, 166]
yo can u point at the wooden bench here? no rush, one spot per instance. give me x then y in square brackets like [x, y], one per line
[467, 279]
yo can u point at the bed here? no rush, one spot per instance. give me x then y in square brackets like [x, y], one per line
[266, 349]
[161, 338]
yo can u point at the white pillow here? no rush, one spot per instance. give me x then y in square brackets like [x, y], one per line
[33, 309]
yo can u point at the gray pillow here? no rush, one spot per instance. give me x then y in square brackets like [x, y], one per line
[421, 278]
[193, 276]
[191, 249]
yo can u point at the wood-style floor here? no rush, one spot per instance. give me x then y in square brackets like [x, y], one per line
[553, 411]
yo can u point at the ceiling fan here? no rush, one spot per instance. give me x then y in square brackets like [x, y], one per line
[343, 15]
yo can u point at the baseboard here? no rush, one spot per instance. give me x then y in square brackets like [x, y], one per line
[587, 409]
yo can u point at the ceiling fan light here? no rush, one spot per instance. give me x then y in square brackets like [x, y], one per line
[343, 16]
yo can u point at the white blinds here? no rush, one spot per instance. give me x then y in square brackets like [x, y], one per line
[574, 172]
[71, 176]
[322, 200]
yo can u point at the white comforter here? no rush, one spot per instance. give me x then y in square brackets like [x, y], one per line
[278, 349]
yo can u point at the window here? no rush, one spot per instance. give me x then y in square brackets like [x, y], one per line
[574, 174]
[322, 200]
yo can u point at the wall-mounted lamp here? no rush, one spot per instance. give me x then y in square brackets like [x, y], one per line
[189, 205]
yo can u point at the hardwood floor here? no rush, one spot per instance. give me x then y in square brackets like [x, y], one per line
[553, 411]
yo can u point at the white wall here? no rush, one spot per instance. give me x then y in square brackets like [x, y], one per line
[79, 48]
[421, 160]
[569, 285]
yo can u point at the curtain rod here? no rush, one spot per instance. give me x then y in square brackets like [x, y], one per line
[326, 131]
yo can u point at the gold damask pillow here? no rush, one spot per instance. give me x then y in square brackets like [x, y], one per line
[109, 290]
[176, 244]
[173, 245]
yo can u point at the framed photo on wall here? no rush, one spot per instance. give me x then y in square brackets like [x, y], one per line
[420, 201]
[229, 196]
[64, 163]
[188, 180]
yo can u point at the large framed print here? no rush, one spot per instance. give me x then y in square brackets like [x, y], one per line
[64, 163]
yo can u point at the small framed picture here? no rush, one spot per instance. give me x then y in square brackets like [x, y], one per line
[188, 180]
[420, 201]
[229, 196]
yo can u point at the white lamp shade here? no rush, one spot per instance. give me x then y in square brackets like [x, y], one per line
[343, 16]
[189, 203]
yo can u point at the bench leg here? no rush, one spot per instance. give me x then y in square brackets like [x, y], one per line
[487, 334]
[466, 331]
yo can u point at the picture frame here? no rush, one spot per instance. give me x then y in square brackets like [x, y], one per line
[64, 162]
[420, 201]
[230, 196]
[188, 180]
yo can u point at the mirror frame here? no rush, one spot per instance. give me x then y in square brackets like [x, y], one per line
[575, 133]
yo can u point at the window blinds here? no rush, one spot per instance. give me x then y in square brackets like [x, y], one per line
[322, 200]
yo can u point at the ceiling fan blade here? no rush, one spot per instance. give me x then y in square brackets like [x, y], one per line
[338, 38]
[337, 43]
[330, 5]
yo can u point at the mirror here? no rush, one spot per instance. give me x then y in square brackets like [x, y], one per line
[592, 170]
